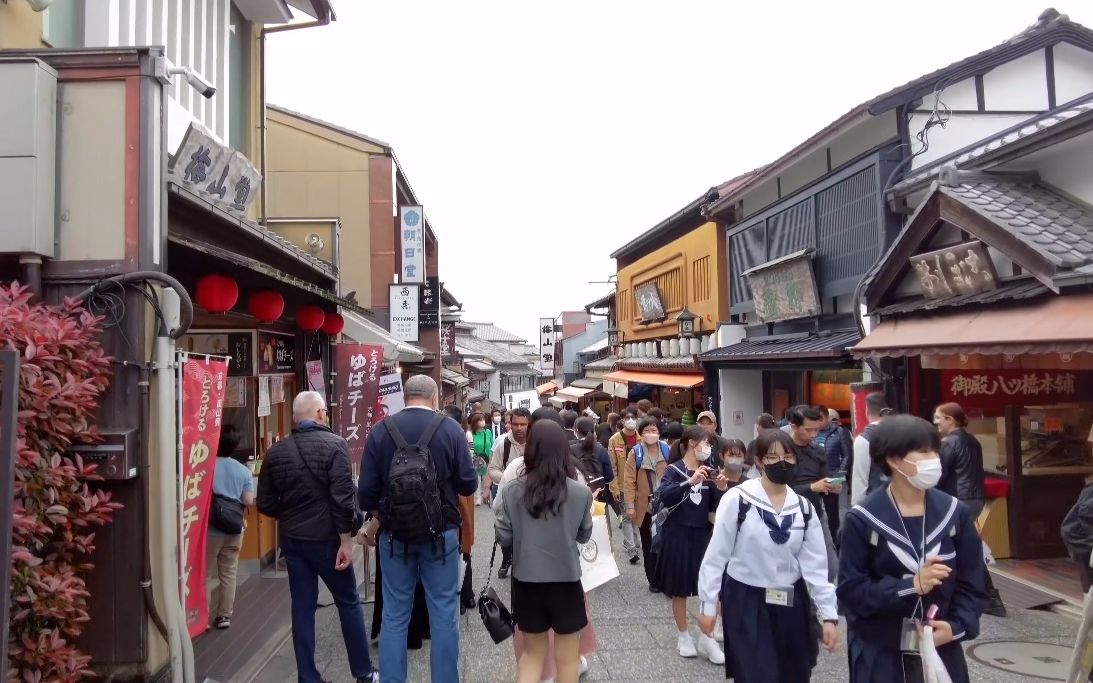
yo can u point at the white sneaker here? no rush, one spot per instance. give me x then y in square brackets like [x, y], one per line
[719, 632]
[687, 645]
[708, 648]
[582, 667]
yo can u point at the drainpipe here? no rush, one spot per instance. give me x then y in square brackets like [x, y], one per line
[32, 273]
[263, 125]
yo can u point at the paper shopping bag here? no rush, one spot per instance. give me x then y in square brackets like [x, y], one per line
[597, 562]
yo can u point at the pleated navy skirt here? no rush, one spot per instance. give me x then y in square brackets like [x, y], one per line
[767, 643]
[872, 664]
[679, 560]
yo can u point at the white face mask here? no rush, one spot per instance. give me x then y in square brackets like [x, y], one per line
[929, 473]
[497, 419]
[650, 438]
[734, 464]
[703, 454]
[630, 424]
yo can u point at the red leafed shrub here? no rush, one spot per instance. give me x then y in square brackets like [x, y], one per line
[62, 373]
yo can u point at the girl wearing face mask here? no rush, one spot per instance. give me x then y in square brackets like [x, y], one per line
[644, 467]
[732, 462]
[690, 489]
[907, 548]
[766, 564]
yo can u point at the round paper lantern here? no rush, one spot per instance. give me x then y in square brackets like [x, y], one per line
[266, 305]
[310, 318]
[216, 293]
[333, 324]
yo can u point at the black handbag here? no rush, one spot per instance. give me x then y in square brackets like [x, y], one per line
[495, 615]
[227, 515]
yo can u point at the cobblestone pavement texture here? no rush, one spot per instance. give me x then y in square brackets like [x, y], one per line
[637, 637]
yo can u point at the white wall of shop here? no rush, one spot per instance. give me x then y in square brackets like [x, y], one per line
[741, 396]
[1067, 166]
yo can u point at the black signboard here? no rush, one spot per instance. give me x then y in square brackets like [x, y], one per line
[428, 309]
[276, 354]
[237, 346]
[241, 362]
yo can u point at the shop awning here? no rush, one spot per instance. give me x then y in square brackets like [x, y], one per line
[546, 388]
[572, 393]
[557, 402]
[817, 346]
[364, 331]
[453, 378]
[593, 383]
[480, 366]
[660, 379]
[1061, 324]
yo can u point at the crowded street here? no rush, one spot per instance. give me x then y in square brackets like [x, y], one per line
[350, 341]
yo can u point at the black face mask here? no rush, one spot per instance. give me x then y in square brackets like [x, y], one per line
[781, 472]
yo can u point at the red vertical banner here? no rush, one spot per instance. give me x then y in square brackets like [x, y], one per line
[202, 390]
[357, 391]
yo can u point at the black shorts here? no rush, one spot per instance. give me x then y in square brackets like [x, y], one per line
[539, 607]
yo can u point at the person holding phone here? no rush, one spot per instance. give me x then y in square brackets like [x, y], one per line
[908, 549]
[690, 489]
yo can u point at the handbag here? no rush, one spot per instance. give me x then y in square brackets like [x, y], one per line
[227, 515]
[495, 615]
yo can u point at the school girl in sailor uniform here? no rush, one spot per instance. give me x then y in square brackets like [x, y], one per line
[690, 491]
[767, 563]
[905, 549]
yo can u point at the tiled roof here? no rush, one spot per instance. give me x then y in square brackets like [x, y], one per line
[759, 349]
[607, 363]
[1027, 288]
[672, 363]
[1055, 227]
[493, 333]
[495, 354]
[1025, 131]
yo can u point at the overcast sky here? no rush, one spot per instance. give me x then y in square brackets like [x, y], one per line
[540, 137]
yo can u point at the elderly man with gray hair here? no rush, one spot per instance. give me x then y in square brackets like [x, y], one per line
[305, 484]
[411, 546]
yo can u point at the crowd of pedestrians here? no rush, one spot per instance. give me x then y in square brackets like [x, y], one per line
[765, 534]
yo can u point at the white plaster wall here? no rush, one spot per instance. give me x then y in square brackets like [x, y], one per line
[957, 96]
[1073, 72]
[741, 391]
[961, 131]
[1018, 85]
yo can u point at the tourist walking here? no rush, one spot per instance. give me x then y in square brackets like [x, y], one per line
[644, 467]
[593, 460]
[908, 548]
[865, 476]
[812, 478]
[690, 491]
[545, 514]
[306, 485]
[414, 468]
[766, 564]
[233, 490]
[618, 448]
[480, 442]
[508, 449]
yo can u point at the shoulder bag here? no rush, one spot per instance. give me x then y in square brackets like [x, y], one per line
[495, 615]
[324, 490]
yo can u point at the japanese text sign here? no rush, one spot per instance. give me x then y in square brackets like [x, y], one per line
[548, 337]
[202, 397]
[276, 353]
[217, 172]
[784, 289]
[447, 340]
[404, 312]
[412, 241]
[357, 390]
[429, 303]
[992, 390]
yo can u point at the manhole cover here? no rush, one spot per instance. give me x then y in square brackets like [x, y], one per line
[1042, 660]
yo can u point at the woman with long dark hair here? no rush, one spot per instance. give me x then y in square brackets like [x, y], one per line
[480, 441]
[545, 514]
[592, 458]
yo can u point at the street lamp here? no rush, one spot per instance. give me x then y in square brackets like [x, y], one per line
[612, 338]
[686, 322]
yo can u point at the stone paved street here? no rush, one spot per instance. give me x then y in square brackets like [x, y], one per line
[636, 635]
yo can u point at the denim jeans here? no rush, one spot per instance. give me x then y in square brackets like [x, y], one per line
[309, 561]
[437, 566]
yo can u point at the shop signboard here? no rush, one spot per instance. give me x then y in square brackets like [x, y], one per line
[357, 369]
[522, 399]
[412, 240]
[391, 397]
[548, 337]
[993, 390]
[237, 346]
[956, 270]
[276, 353]
[785, 288]
[315, 381]
[404, 312]
[201, 386]
[447, 340]
[215, 171]
[650, 304]
[428, 308]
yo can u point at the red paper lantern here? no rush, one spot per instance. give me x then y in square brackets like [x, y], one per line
[266, 305]
[333, 324]
[310, 318]
[216, 293]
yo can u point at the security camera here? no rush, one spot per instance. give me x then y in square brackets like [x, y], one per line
[196, 81]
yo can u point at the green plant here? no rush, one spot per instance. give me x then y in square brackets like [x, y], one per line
[62, 372]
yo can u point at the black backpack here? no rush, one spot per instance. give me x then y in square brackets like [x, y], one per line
[589, 463]
[411, 508]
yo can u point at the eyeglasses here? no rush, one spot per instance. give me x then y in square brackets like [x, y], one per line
[774, 459]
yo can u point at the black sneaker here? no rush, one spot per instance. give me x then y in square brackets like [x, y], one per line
[654, 589]
[223, 623]
[635, 559]
[373, 677]
[503, 572]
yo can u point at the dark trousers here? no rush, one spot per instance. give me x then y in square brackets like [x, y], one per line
[831, 508]
[307, 562]
[648, 558]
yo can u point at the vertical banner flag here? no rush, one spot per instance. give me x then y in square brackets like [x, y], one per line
[412, 239]
[404, 312]
[202, 406]
[447, 341]
[357, 391]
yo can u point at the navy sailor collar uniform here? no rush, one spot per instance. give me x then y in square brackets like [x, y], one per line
[881, 552]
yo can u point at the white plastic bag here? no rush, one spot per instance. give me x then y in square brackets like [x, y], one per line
[932, 666]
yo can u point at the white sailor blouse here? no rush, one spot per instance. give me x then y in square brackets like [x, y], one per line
[751, 555]
[879, 555]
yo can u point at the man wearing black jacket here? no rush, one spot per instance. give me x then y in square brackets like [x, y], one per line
[305, 484]
[811, 479]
